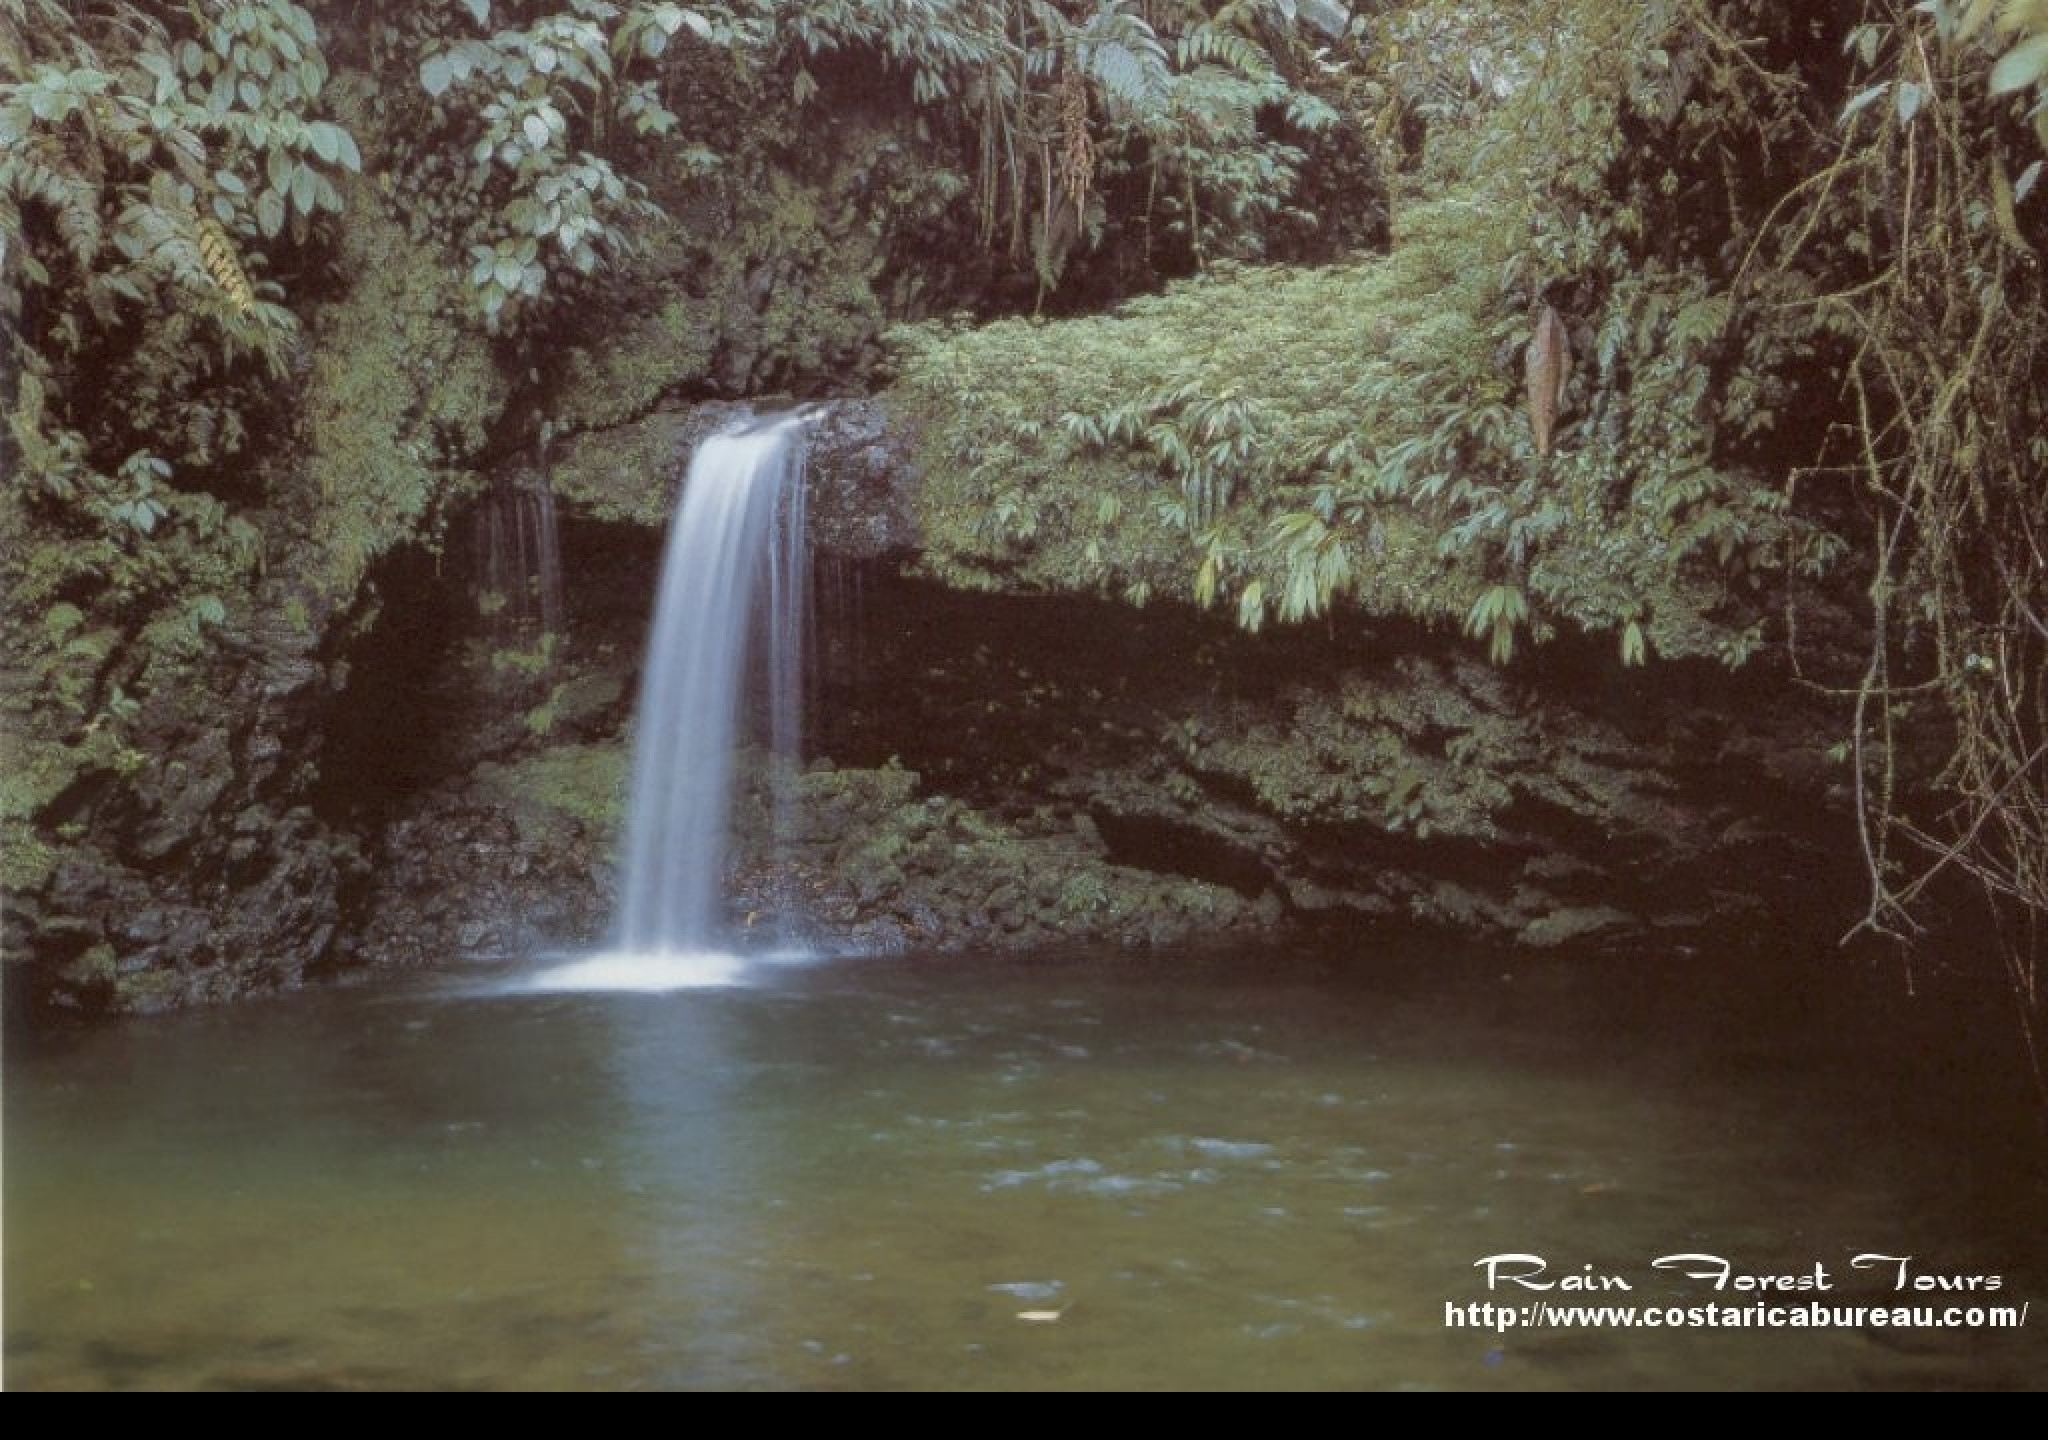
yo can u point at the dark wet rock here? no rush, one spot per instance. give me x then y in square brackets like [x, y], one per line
[861, 480]
[195, 872]
[1019, 771]
[876, 863]
[1362, 776]
[862, 484]
[511, 857]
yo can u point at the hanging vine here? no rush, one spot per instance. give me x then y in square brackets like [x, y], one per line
[1941, 317]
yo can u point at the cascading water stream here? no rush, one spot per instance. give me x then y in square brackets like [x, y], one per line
[519, 559]
[731, 609]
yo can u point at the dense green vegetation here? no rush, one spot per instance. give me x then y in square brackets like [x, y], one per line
[1712, 327]
[1789, 266]
[279, 279]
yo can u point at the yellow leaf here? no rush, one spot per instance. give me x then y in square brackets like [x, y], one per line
[218, 252]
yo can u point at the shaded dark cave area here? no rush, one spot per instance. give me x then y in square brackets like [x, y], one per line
[1150, 842]
[440, 678]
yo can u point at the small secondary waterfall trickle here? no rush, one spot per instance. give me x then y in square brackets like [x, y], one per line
[519, 557]
[733, 577]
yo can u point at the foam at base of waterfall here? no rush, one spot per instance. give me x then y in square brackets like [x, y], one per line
[642, 972]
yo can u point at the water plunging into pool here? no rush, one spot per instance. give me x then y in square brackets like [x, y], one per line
[732, 592]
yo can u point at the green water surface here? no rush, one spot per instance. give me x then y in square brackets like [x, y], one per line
[1217, 1170]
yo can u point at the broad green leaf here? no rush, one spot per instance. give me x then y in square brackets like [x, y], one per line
[479, 11]
[323, 138]
[1944, 15]
[2021, 66]
[1251, 606]
[230, 182]
[1865, 99]
[435, 75]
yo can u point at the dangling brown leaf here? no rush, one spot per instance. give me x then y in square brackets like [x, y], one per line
[2004, 210]
[1077, 148]
[1549, 367]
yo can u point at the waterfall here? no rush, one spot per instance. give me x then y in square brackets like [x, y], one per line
[519, 558]
[729, 620]
[735, 566]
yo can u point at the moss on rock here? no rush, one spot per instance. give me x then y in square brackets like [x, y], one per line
[877, 862]
[403, 390]
[760, 276]
[626, 472]
[559, 790]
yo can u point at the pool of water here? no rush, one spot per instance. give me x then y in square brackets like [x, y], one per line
[1243, 1170]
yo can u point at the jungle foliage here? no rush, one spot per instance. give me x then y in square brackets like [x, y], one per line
[1699, 317]
[1922, 233]
[1780, 270]
[278, 278]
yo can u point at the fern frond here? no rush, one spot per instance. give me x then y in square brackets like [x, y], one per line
[1211, 45]
[1125, 59]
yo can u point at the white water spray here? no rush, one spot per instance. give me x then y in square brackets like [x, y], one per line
[732, 590]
